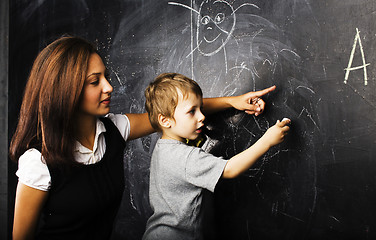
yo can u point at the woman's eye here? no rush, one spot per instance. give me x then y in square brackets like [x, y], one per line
[94, 82]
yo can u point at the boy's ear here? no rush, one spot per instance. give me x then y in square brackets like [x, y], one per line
[164, 121]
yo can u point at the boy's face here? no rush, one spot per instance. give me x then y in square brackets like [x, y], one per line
[188, 119]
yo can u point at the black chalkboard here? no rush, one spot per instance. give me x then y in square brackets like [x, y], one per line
[321, 182]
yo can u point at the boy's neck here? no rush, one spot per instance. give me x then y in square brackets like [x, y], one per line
[166, 135]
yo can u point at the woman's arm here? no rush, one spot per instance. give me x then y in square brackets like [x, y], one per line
[140, 125]
[28, 206]
[249, 102]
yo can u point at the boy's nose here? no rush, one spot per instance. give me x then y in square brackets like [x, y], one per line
[201, 117]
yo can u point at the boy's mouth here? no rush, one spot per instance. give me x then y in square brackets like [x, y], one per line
[199, 130]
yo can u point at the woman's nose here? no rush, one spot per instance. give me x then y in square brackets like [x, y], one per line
[107, 88]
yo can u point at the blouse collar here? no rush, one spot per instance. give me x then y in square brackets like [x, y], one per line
[100, 128]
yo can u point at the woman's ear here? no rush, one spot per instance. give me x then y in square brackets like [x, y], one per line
[164, 121]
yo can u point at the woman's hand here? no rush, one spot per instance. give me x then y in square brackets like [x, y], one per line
[251, 102]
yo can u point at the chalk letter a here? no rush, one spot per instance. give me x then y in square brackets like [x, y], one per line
[364, 66]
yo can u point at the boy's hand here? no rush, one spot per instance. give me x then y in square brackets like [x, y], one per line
[276, 134]
[251, 102]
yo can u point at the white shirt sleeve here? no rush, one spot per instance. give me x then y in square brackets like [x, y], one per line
[32, 171]
[121, 121]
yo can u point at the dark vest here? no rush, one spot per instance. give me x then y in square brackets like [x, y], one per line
[83, 202]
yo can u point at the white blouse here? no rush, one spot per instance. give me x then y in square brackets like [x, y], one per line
[33, 172]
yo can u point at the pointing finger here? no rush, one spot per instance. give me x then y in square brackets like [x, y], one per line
[264, 91]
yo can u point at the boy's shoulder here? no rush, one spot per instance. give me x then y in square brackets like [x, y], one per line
[174, 149]
[171, 145]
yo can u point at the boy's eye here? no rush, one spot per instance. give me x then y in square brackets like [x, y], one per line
[192, 111]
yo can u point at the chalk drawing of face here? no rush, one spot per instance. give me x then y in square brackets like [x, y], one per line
[216, 20]
[215, 24]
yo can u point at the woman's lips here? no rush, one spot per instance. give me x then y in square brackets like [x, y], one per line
[106, 101]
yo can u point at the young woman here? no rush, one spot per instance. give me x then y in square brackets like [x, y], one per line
[69, 148]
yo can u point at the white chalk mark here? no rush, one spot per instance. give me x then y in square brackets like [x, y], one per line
[227, 33]
[334, 155]
[191, 53]
[182, 5]
[118, 78]
[204, 44]
[309, 115]
[246, 4]
[249, 236]
[310, 8]
[275, 154]
[255, 71]
[274, 208]
[253, 38]
[258, 125]
[259, 191]
[306, 88]
[251, 133]
[335, 218]
[225, 56]
[132, 202]
[364, 66]
[288, 50]
[278, 152]
[363, 97]
[287, 215]
[268, 61]
[242, 66]
[215, 39]
[267, 124]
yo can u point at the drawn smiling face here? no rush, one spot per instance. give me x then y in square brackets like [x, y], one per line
[216, 22]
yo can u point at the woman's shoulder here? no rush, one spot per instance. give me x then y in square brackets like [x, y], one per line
[33, 171]
[31, 154]
[121, 121]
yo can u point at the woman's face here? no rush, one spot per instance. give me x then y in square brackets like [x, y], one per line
[96, 94]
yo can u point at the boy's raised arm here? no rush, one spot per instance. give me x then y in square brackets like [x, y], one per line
[244, 160]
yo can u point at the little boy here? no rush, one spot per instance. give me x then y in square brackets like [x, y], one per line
[178, 172]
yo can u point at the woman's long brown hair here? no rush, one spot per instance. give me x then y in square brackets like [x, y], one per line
[51, 98]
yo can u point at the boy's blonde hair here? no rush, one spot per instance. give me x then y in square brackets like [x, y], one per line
[163, 93]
